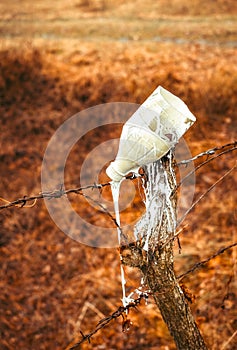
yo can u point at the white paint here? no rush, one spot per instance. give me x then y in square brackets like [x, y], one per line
[115, 187]
[157, 202]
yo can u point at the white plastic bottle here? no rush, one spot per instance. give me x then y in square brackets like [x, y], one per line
[150, 133]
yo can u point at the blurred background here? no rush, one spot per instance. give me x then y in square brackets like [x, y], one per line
[58, 58]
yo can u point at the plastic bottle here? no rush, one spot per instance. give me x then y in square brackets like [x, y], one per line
[150, 133]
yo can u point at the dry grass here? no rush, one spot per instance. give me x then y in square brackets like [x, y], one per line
[89, 20]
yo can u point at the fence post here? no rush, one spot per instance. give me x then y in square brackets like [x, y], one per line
[156, 230]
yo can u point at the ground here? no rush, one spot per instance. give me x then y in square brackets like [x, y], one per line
[56, 59]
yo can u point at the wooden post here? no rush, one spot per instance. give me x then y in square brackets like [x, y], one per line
[156, 262]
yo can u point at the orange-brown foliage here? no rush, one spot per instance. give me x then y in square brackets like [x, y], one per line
[46, 279]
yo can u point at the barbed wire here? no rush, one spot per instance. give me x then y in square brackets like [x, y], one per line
[21, 202]
[208, 152]
[203, 262]
[123, 310]
[58, 193]
[204, 163]
[207, 191]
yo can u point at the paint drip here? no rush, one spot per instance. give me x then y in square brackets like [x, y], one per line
[115, 188]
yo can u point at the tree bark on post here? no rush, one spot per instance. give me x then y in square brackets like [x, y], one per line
[155, 232]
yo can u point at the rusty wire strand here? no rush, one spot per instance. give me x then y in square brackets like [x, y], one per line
[58, 193]
[203, 163]
[121, 311]
[208, 152]
[49, 195]
[208, 190]
[203, 262]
